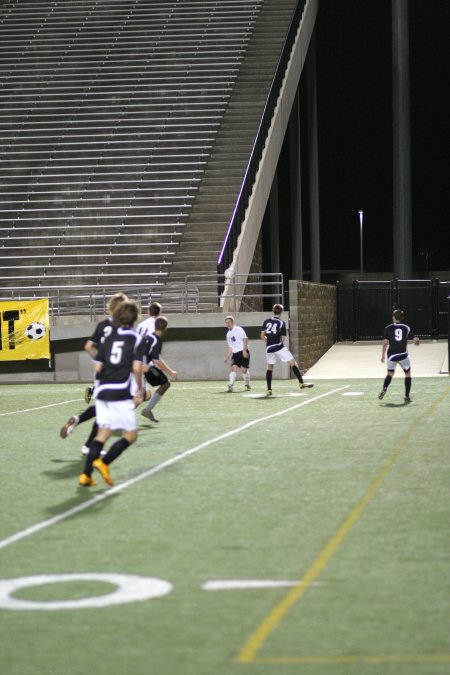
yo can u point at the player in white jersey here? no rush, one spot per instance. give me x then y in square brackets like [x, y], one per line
[238, 352]
[156, 369]
[147, 326]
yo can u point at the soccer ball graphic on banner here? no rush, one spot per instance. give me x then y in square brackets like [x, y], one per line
[35, 330]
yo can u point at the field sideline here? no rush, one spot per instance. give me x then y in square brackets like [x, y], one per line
[307, 533]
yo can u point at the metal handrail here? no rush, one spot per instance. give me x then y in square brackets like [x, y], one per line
[92, 300]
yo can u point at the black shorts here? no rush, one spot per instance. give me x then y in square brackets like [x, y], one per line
[239, 360]
[156, 376]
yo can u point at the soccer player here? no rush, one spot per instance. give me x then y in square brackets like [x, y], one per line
[102, 329]
[237, 340]
[147, 326]
[274, 334]
[118, 363]
[156, 368]
[396, 336]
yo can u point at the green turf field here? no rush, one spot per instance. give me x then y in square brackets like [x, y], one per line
[307, 533]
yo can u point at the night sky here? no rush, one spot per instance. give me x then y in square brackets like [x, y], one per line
[355, 132]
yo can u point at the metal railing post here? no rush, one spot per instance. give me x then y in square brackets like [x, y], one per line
[448, 338]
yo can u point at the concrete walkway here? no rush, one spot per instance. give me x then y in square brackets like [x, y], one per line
[347, 360]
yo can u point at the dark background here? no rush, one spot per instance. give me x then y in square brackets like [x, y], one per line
[355, 132]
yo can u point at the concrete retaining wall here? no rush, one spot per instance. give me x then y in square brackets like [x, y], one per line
[312, 321]
[194, 346]
[195, 343]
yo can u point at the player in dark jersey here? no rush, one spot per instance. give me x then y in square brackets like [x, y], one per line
[396, 336]
[273, 332]
[156, 368]
[102, 329]
[118, 363]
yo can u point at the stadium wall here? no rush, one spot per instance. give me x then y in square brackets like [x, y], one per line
[195, 344]
[313, 320]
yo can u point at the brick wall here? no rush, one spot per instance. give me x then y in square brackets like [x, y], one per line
[312, 314]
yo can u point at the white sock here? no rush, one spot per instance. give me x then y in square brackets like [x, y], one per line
[153, 401]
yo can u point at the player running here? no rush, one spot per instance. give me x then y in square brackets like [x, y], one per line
[274, 334]
[118, 363]
[237, 341]
[396, 336]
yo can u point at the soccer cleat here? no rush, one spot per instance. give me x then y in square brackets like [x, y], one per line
[88, 393]
[149, 415]
[306, 385]
[69, 426]
[407, 399]
[87, 481]
[100, 465]
[381, 394]
[268, 393]
[229, 389]
[247, 387]
[84, 450]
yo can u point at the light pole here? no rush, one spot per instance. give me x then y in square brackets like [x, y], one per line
[361, 213]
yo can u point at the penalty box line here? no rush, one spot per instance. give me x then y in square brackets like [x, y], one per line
[18, 536]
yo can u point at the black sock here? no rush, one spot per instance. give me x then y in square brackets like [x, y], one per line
[387, 381]
[92, 435]
[297, 373]
[87, 414]
[94, 452]
[408, 382]
[116, 450]
[269, 379]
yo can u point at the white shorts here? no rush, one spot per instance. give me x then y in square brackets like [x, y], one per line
[134, 387]
[116, 415]
[283, 354]
[405, 364]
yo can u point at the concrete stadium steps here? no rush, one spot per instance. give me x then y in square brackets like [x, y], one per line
[105, 107]
[221, 182]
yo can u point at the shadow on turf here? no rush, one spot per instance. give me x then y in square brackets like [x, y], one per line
[81, 496]
[70, 468]
[246, 394]
[395, 405]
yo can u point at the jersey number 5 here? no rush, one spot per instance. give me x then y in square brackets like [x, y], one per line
[116, 352]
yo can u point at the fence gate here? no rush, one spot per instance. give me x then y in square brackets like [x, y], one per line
[365, 307]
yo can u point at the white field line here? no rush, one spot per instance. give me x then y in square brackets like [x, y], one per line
[41, 407]
[151, 472]
[245, 584]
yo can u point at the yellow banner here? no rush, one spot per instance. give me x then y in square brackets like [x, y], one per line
[24, 330]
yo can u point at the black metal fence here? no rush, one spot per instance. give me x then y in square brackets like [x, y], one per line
[364, 308]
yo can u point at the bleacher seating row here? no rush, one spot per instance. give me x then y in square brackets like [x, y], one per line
[109, 115]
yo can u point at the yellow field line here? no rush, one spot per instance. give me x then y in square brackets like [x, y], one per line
[357, 658]
[269, 624]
